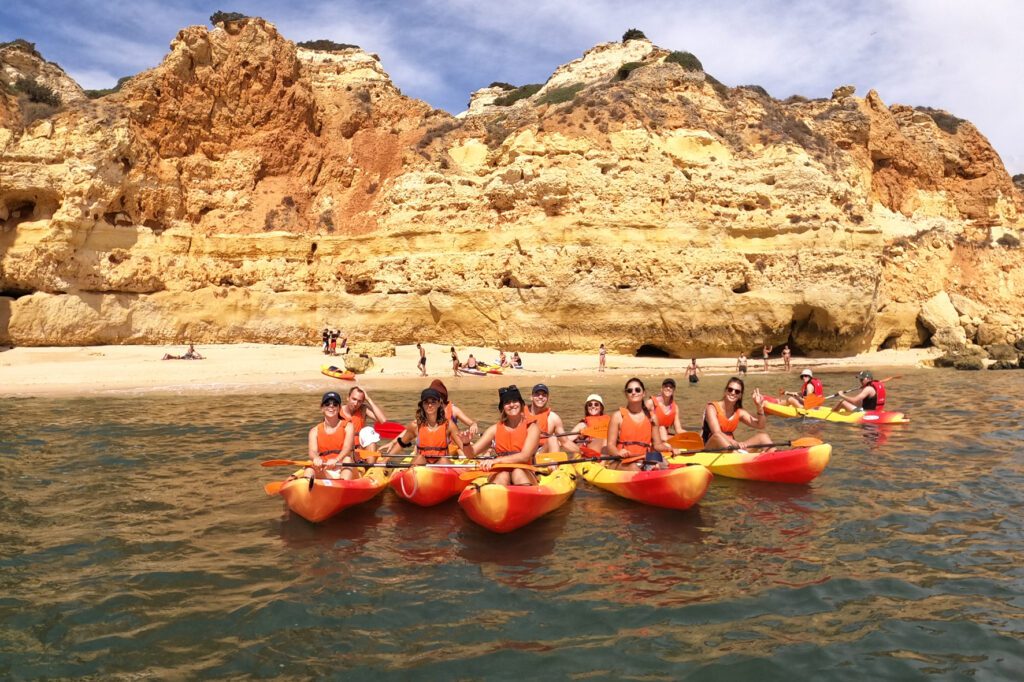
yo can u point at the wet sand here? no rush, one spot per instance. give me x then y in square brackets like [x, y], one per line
[262, 368]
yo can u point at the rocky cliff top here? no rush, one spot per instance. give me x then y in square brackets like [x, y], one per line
[250, 189]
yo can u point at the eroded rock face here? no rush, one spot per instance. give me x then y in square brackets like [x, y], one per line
[247, 189]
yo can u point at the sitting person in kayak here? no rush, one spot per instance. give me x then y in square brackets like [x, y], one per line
[355, 410]
[870, 397]
[431, 433]
[330, 441]
[593, 418]
[455, 415]
[549, 423]
[514, 440]
[721, 418]
[471, 362]
[811, 386]
[632, 432]
[665, 409]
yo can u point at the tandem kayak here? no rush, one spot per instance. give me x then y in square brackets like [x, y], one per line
[828, 414]
[427, 486]
[799, 465]
[503, 509]
[337, 373]
[674, 488]
[329, 496]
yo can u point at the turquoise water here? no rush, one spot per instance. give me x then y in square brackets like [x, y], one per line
[136, 540]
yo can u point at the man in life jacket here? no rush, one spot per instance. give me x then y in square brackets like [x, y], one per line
[870, 397]
[549, 422]
[811, 386]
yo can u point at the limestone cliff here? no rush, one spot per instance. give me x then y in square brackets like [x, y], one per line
[247, 189]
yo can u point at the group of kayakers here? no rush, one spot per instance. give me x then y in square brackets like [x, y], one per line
[636, 434]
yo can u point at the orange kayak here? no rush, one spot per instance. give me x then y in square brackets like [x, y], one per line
[427, 486]
[329, 496]
[503, 509]
[678, 488]
[799, 465]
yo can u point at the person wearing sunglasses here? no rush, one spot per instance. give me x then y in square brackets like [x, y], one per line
[330, 441]
[632, 431]
[431, 433]
[665, 409]
[722, 417]
[514, 439]
[549, 422]
[593, 417]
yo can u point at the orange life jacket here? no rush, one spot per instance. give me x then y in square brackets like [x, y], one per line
[637, 437]
[664, 418]
[432, 443]
[330, 443]
[358, 420]
[510, 441]
[728, 426]
[542, 421]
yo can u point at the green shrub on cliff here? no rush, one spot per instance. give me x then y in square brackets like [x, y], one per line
[95, 94]
[633, 34]
[503, 85]
[219, 17]
[325, 45]
[626, 69]
[559, 95]
[518, 94]
[686, 60]
[37, 92]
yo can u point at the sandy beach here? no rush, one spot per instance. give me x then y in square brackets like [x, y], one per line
[260, 368]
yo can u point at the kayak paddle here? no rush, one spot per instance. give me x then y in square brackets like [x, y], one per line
[798, 443]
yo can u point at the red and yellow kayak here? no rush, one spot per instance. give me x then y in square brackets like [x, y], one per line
[329, 496]
[427, 486]
[830, 415]
[799, 465]
[678, 488]
[503, 509]
[337, 373]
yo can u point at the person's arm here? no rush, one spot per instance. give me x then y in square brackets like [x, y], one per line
[711, 419]
[857, 399]
[566, 443]
[314, 454]
[471, 424]
[407, 436]
[455, 437]
[484, 442]
[614, 424]
[378, 413]
[761, 420]
[677, 425]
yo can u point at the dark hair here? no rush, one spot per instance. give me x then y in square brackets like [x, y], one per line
[585, 415]
[506, 395]
[643, 403]
[743, 389]
[421, 414]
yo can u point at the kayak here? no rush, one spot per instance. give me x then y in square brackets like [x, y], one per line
[329, 496]
[337, 373]
[489, 368]
[674, 488]
[799, 465]
[503, 509]
[427, 486]
[828, 414]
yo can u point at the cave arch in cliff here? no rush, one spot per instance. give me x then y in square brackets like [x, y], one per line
[25, 205]
[650, 350]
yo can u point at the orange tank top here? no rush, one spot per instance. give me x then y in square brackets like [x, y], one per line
[635, 436]
[542, 422]
[330, 443]
[510, 441]
[728, 426]
[432, 443]
[664, 418]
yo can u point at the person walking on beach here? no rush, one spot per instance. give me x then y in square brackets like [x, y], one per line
[455, 362]
[765, 352]
[786, 357]
[601, 353]
[422, 364]
[741, 365]
[325, 338]
[692, 371]
[333, 350]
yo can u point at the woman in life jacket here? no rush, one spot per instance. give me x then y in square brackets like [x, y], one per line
[870, 397]
[430, 432]
[811, 386]
[330, 441]
[722, 417]
[593, 417]
[633, 432]
[514, 440]
[665, 409]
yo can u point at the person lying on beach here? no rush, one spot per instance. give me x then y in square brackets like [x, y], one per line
[190, 354]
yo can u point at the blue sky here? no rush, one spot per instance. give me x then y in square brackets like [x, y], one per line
[962, 56]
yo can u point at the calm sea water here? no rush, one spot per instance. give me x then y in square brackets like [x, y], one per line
[136, 540]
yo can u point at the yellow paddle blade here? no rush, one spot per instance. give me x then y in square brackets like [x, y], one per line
[470, 475]
[686, 440]
[551, 457]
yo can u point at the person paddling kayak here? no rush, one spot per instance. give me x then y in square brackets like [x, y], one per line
[430, 432]
[330, 441]
[633, 432]
[870, 397]
[811, 386]
[514, 439]
[665, 409]
[549, 422]
[722, 417]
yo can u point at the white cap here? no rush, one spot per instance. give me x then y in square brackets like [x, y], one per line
[807, 373]
[368, 436]
[594, 396]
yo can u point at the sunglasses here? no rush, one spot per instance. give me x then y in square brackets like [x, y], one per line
[593, 404]
[431, 401]
[331, 403]
[734, 391]
[634, 389]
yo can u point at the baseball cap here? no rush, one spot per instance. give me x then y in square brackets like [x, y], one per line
[807, 373]
[592, 397]
[430, 393]
[865, 375]
[330, 395]
[368, 436]
[540, 387]
[669, 382]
